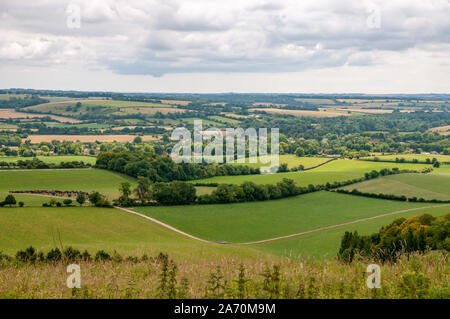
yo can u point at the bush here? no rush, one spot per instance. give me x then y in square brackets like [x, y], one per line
[67, 202]
[21, 204]
[101, 255]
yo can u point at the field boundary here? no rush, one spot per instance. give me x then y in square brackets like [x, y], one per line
[279, 237]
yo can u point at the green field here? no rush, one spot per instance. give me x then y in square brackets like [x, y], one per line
[100, 228]
[87, 180]
[410, 157]
[52, 159]
[339, 170]
[291, 160]
[254, 221]
[427, 186]
[325, 243]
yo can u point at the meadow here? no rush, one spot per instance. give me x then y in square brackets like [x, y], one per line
[95, 228]
[427, 186]
[410, 157]
[254, 221]
[300, 112]
[290, 159]
[334, 171]
[86, 180]
[51, 159]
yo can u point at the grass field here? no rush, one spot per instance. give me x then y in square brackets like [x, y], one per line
[254, 221]
[12, 114]
[87, 180]
[51, 159]
[100, 228]
[410, 157]
[339, 170]
[301, 112]
[326, 243]
[291, 160]
[427, 186]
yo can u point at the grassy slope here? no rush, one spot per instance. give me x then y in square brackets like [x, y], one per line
[51, 159]
[100, 228]
[261, 220]
[428, 186]
[291, 160]
[103, 181]
[339, 170]
[410, 157]
[325, 244]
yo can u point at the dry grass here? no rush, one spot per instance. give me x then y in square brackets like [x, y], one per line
[419, 276]
[443, 130]
[176, 102]
[12, 114]
[86, 138]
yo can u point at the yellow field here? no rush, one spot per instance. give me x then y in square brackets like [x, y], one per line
[148, 110]
[86, 138]
[12, 114]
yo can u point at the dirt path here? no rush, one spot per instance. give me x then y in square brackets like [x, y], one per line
[163, 224]
[286, 236]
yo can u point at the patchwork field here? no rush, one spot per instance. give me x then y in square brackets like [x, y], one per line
[301, 112]
[253, 221]
[12, 114]
[87, 180]
[51, 159]
[87, 138]
[101, 228]
[338, 170]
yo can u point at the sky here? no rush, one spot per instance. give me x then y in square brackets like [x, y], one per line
[209, 46]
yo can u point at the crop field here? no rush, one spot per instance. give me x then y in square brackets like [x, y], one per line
[149, 110]
[253, 221]
[301, 112]
[51, 159]
[291, 160]
[338, 170]
[87, 180]
[427, 186]
[410, 157]
[87, 138]
[324, 244]
[94, 228]
[12, 114]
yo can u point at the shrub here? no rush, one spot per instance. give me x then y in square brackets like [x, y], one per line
[67, 202]
[101, 255]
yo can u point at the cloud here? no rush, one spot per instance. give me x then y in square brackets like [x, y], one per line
[158, 37]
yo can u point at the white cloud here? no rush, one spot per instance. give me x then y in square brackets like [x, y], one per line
[209, 36]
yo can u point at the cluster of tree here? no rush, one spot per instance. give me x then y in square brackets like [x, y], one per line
[433, 161]
[418, 233]
[10, 200]
[19, 102]
[401, 198]
[38, 164]
[10, 140]
[68, 254]
[164, 169]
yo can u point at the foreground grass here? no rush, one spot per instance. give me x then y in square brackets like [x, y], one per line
[253, 221]
[415, 276]
[100, 228]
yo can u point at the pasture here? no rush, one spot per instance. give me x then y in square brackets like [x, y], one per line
[410, 157]
[253, 221]
[289, 159]
[86, 180]
[51, 159]
[94, 228]
[301, 112]
[325, 243]
[12, 114]
[338, 170]
[427, 186]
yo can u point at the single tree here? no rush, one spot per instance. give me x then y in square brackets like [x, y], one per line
[81, 199]
[9, 200]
